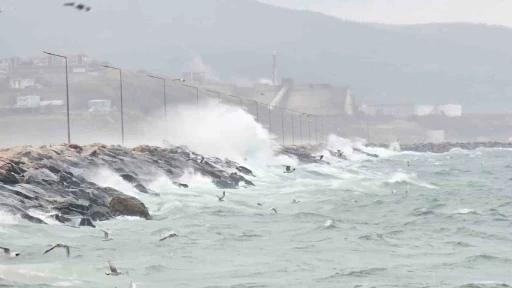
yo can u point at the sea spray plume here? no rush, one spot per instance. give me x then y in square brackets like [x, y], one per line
[226, 132]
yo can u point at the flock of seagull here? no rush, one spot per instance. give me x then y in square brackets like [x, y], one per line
[107, 233]
[107, 237]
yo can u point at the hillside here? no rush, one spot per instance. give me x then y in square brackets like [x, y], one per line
[437, 63]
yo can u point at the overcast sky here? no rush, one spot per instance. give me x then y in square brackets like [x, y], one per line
[410, 11]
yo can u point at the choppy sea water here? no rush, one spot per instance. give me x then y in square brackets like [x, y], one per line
[355, 226]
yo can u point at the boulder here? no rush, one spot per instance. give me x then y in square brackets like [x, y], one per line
[76, 147]
[223, 184]
[8, 178]
[129, 178]
[86, 221]
[244, 170]
[128, 206]
[141, 188]
[99, 213]
[235, 177]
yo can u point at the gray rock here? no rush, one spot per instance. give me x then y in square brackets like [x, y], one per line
[128, 206]
[8, 178]
[129, 178]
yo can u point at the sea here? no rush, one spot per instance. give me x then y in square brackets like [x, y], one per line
[404, 219]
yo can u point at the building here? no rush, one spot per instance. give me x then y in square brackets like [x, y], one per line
[19, 83]
[77, 63]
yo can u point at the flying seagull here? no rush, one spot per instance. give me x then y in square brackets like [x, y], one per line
[320, 157]
[106, 234]
[168, 235]
[10, 254]
[260, 204]
[339, 153]
[113, 270]
[69, 4]
[82, 7]
[58, 245]
[289, 170]
[221, 198]
[273, 209]
[295, 201]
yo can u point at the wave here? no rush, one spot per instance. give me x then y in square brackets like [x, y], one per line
[485, 284]
[357, 273]
[466, 211]
[404, 178]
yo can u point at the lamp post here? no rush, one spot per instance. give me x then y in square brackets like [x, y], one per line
[309, 126]
[121, 87]
[67, 91]
[282, 123]
[257, 104]
[293, 124]
[322, 123]
[300, 128]
[197, 92]
[316, 130]
[165, 103]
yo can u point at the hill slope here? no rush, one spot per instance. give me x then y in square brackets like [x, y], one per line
[438, 63]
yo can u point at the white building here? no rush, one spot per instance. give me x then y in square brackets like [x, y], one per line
[424, 110]
[30, 101]
[21, 83]
[450, 110]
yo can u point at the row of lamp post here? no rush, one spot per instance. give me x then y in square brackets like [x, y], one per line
[197, 102]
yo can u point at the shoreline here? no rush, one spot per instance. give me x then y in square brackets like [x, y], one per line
[447, 146]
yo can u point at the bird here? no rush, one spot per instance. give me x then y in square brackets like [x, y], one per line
[132, 285]
[58, 245]
[80, 7]
[168, 235]
[273, 209]
[339, 153]
[408, 164]
[289, 170]
[407, 190]
[113, 270]
[10, 254]
[393, 191]
[320, 157]
[295, 201]
[202, 160]
[221, 198]
[260, 204]
[69, 4]
[106, 234]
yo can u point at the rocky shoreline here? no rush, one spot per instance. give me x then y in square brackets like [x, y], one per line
[54, 179]
[447, 146]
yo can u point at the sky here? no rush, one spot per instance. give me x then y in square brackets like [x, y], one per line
[409, 11]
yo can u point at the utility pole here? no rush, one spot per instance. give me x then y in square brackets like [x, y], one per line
[67, 92]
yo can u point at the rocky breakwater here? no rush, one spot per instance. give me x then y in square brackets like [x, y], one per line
[447, 146]
[55, 180]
